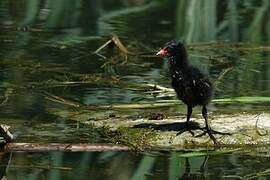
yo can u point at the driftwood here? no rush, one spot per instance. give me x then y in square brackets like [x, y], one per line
[36, 147]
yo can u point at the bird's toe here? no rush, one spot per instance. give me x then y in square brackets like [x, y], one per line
[184, 130]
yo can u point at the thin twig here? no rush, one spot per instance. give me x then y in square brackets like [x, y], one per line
[9, 162]
[61, 100]
[39, 167]
[232, 177]
[158, 87]
[222, 75]
[116, 41]
[103, 46]
[256, 126]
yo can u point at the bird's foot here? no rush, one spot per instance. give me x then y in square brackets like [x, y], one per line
[187, 128]
[210, 132]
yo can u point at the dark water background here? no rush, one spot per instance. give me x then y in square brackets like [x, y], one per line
[44, 44]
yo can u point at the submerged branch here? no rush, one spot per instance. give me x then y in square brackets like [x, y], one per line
[60, 100]
[36, 147]
[44, 167]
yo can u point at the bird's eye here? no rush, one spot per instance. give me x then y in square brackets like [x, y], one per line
[169, 49]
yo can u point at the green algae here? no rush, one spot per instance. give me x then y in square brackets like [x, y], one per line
[137, 139]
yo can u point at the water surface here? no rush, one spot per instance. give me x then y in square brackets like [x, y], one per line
[121, 165]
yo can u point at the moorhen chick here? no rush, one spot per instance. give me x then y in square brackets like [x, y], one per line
[190, 85]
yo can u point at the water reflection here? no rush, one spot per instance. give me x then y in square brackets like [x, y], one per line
[120, 165]
[196, 21]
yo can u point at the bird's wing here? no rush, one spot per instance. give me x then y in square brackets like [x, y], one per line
[204, 87]
[201, 84]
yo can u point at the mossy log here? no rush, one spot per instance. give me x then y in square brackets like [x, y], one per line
[248, 130]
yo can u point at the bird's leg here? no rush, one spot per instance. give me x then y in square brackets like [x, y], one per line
[207, 128]
[187, 126]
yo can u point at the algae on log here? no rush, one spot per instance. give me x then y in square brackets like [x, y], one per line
[247, 129]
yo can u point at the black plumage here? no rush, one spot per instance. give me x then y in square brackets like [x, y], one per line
[191, 86]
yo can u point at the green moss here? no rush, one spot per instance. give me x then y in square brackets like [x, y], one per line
[137, 139]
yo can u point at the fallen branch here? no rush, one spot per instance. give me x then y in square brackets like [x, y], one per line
[36, 147]
[38, 167]
[117, 43]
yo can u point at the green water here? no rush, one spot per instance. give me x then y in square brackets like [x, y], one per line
[122, 166]
[46, 50]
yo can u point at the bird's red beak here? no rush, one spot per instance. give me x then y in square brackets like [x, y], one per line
[162, 52]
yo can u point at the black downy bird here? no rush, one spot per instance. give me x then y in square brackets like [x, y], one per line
[190, 85]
